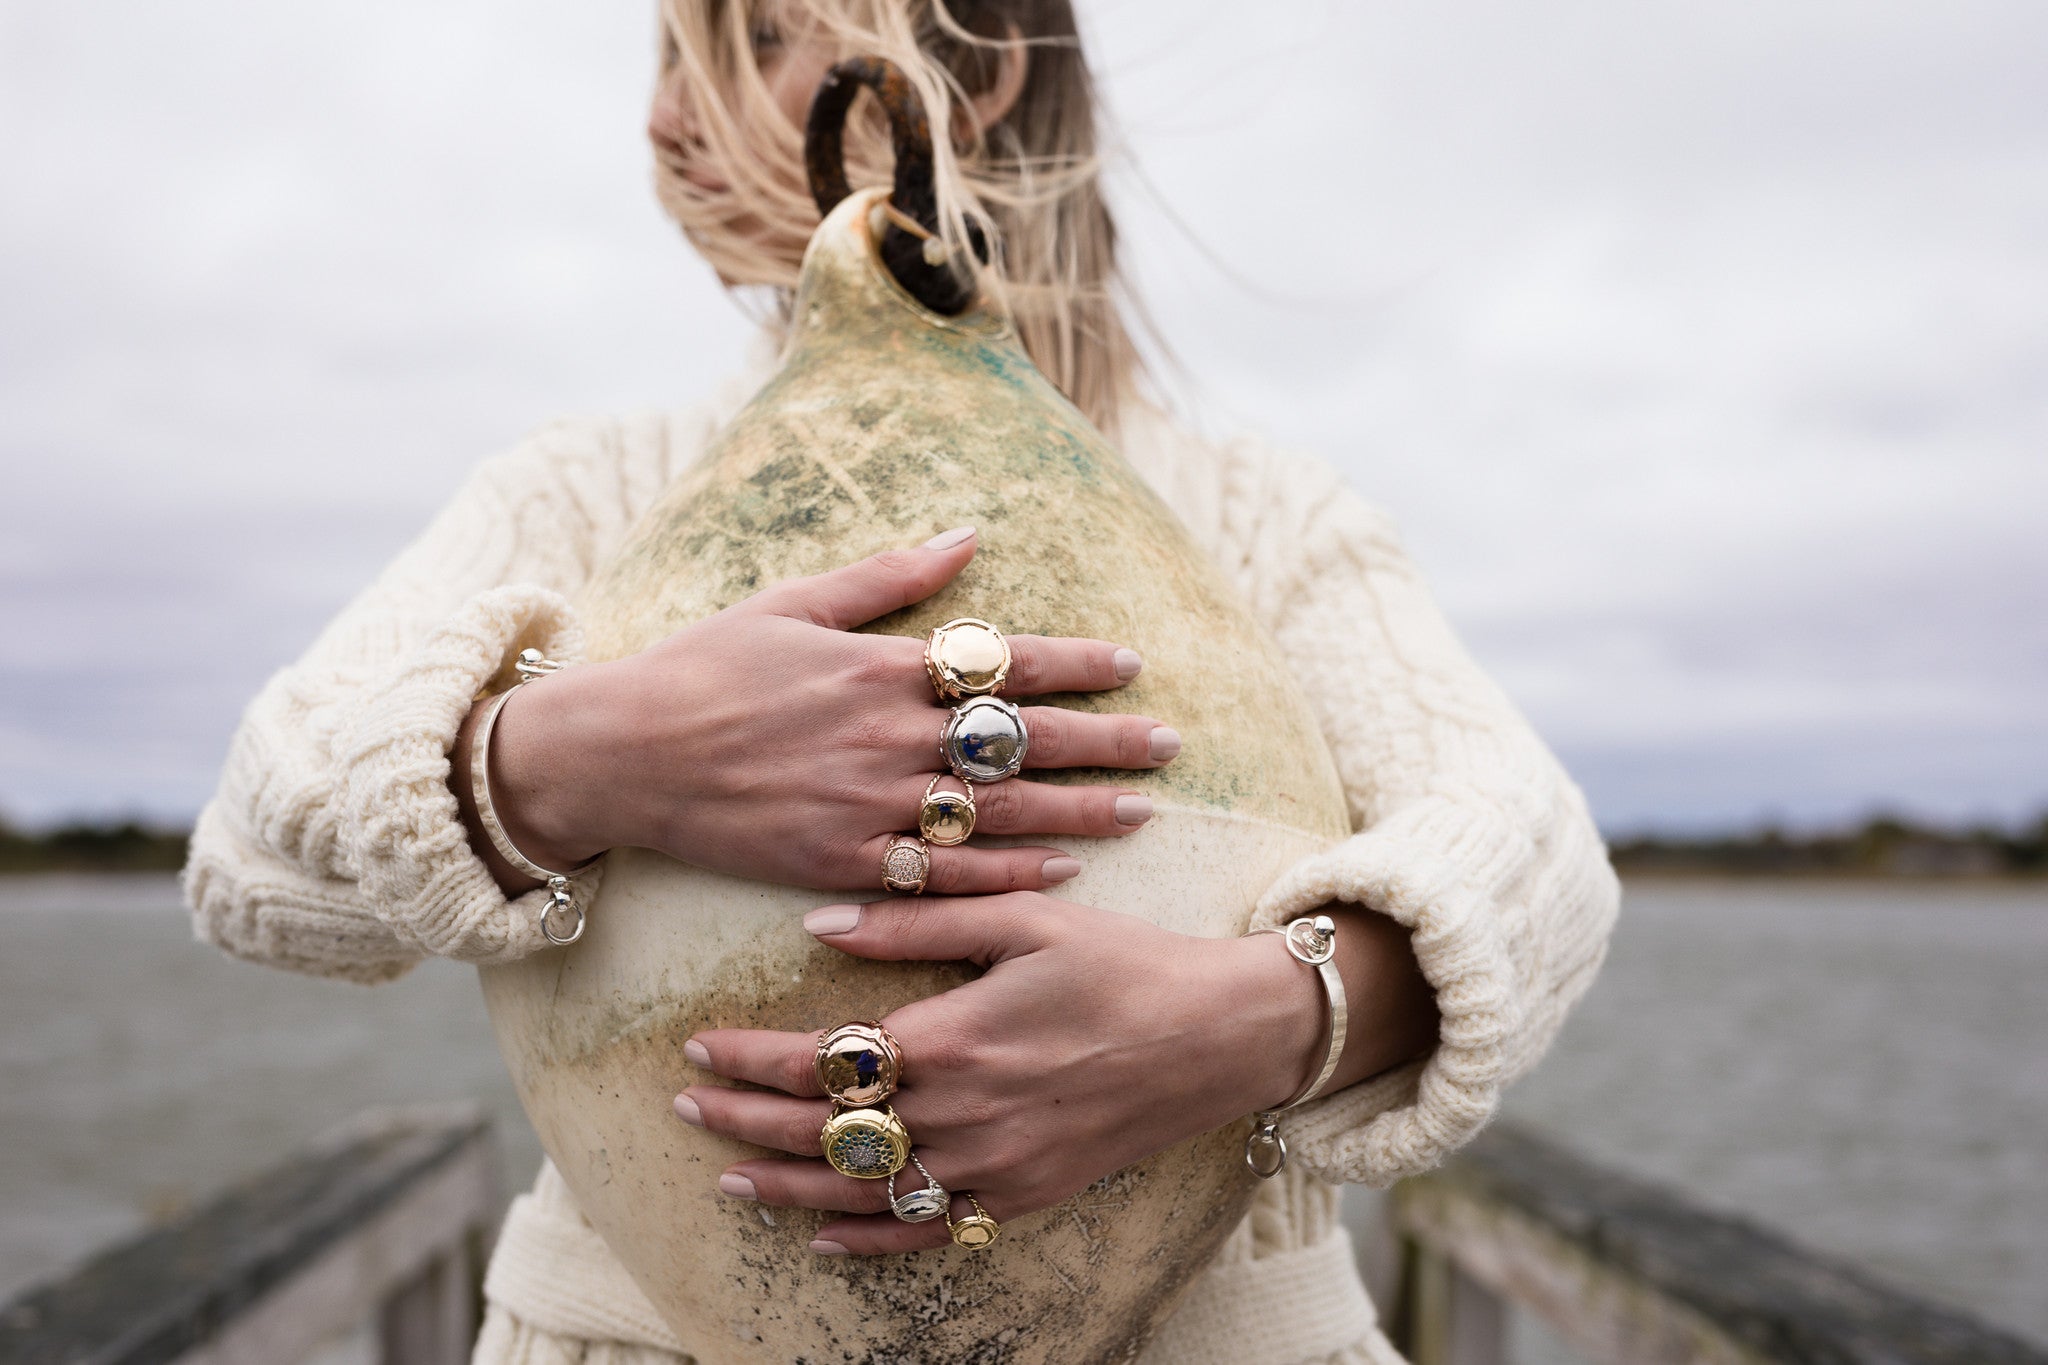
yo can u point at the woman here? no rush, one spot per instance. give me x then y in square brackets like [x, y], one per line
[1472, 902]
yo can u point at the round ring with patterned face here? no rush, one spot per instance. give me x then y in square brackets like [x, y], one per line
[867, 1144]
[946, 818]
[919, 1206]
[859, 1063]
[974, 1232]
[906, 864]
[984, 740]
[966, 658]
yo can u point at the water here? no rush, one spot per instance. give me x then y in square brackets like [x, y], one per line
[1861, 1066]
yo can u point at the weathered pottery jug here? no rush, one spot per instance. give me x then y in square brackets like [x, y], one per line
[886, 424]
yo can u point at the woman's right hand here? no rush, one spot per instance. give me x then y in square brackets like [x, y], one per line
[771, 742]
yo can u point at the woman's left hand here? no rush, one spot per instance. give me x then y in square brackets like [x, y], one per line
[1093, 1040]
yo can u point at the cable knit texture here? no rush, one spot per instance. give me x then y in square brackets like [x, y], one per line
[333, 845]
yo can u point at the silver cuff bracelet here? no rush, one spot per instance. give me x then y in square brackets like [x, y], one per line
[561, 904]
[1313, 941]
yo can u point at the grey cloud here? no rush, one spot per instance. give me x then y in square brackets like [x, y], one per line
[1697, 350]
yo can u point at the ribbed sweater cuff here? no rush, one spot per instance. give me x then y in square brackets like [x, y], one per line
[1439, 867]
[404, 832]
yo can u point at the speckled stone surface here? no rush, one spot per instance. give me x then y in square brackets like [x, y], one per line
[884, 426]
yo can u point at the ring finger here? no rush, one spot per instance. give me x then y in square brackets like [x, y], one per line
[1019, 807]
[815, 1185]
[969, 871]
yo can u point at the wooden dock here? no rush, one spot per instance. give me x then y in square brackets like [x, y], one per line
[388, 1221]
[387, 1224]
[1631, 1273]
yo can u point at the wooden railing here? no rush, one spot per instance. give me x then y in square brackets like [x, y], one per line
[1633, 1274]
[384, 1224]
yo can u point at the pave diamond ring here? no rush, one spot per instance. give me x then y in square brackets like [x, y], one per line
[906, 864]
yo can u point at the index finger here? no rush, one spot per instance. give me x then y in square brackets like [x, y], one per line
[780, 1061]
[1040, 664]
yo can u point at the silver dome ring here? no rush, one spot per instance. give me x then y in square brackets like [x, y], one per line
[984, 740]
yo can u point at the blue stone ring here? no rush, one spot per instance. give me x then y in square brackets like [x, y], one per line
[859, 1064]
[984, 740]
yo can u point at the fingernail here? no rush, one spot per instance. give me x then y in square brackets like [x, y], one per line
[696, 1054]
[1165, 743]
[825, 1248]
[688, 1112]
[1128, 663]
[736, 1186]
[946, 540]
[1060, 869]
[1130, 810]
[827, 920]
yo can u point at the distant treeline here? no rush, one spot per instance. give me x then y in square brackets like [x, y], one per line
[125, 847]
[1882, 847]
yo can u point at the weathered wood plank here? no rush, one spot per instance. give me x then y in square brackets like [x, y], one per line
[1633, 1273]
[1452, 1319]
[334, 1231]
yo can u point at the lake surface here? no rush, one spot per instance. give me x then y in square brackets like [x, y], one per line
[1863, 1066]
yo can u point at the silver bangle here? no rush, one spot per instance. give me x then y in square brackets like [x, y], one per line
[1313, 941]
[561, 901]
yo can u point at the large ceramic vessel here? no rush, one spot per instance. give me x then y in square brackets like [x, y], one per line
[886, 424]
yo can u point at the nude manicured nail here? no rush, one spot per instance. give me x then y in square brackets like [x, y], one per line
[696, 1054]
[736, 1186]
[1128, 664]
[1060, 869]
[832, 919]
[688, 1112]
[1130, 810]
[825, 1248]
[946, 540]
[1165, 743]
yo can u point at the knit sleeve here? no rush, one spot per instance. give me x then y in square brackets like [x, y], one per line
[333, 844]
[1466, 829]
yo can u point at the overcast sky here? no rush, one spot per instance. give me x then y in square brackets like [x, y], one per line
[1701, 350]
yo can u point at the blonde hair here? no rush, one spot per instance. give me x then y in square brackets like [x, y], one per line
[1030, 180]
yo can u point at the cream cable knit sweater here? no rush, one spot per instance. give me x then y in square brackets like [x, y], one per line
[333, 846]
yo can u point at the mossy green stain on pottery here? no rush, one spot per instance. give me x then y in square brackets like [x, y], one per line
[885, 425]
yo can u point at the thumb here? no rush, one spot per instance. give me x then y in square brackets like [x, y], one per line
[876, 586]
[983, 930]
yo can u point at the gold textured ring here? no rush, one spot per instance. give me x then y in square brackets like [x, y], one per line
[967, 657]
[867, 1144]
[906, 864]
[859, 1063]
[946, 818]
[976, 1231]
